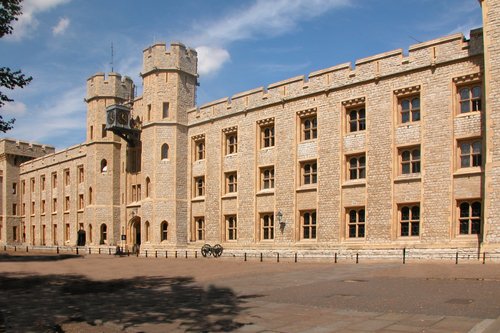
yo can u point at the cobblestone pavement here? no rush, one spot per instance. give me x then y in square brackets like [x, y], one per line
[101, 293]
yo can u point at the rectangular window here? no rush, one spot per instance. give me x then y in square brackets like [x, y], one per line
[309, 225]
[23, 209]
[231, 182]
[309, 128]
[356, 119]
[199, 150]
[267, 178]
[231, 227]
[32, 208]
[409, 159]
[309, 172]
[356, 222]
[267, 136]
[42, 183]
[66, 177]
[469, 98]
[42, 206]
[32, 185]
[165, 110]
[409, 220]
[149, 112]
[356, 166]
[54, 205]
[54, 180]
[66, 232]
[134, 193]
[231, 139]
[15, 236]
[81, 202]
[469, 220]
[104, 133]
[200, 228]
[470, 153]
[81, 175]
[66, 204]
[199, 186]
[23, 187]
[267, 226]
[91, 132]
[14, 188]
[14, 209]
[409, 109]
[139, 195]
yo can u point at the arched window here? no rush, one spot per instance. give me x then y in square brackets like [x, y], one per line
[104, 165]
[104, 233]
[148, 187]
[146, 226]
[164, 230]
[90, 196]
[164, 151]
[90, 233]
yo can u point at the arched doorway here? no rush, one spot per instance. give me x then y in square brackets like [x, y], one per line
[135, 232]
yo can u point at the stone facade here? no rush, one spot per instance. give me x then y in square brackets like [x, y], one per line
[398, 151]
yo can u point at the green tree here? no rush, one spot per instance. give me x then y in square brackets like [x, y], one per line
[9, 11]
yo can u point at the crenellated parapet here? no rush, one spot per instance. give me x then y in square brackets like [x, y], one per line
[177, 58]
[427, 55]
[54, 158]
[112, 86]
[22, 148]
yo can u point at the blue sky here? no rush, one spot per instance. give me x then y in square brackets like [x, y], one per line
[241, 45]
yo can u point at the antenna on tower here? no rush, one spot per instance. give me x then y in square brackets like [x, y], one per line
[112, 57]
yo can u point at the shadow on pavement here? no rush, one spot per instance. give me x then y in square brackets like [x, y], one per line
[7, 257]
[44, 303]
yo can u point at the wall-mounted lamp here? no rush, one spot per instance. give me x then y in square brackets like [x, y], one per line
[279, 217]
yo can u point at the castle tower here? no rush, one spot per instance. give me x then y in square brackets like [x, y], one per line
[491, 32]
[170, 79]
[105, 158]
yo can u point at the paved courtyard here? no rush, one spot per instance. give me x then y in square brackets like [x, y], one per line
[102, 293]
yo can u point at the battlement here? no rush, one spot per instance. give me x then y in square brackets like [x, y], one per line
[113, 86]
[420, 56]
[178, 58]
[54, 158]
[23, 148]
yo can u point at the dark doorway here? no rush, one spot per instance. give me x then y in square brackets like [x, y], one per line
[81, 238]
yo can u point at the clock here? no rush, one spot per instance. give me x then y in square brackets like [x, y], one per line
[122, 117]
[111, 117]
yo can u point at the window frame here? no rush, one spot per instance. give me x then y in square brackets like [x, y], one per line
[267, 140]
[231, 182]
[199, 228]
[267, 178]
[413, 164]
[359, 123]
[411, 222]
[231, 227]
[358, 224]
[475, 160]
[412, 111]
[309, 173]
[267, 226]
[199, 188]
[473, 102]
[471, 220]
[163, 231]
[360, 170]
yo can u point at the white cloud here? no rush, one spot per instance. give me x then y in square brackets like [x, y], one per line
[61, 27]
[13, 109]
[211, 59]
[28, 22]
[264, 18]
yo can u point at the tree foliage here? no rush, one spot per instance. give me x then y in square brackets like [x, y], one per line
[9, 11]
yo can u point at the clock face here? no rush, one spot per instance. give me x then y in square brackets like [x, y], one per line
[122, 118]
[111, 118]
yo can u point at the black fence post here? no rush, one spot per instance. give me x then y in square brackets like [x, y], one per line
[484, 258]
[277, 257]
[27, 249]
[196, 254]
[77, 250]
[357, 258]
[261, 257]
[99, 250]
[186, 254]
[57, 250]
[156, 253]
[166, 254]
[109, 251]
[175, 254]
[295, 256]
[456, 258]
[404, 255]
[15, 248]
[146, 253]
[245, 256]
[335, 257]
[90, 250]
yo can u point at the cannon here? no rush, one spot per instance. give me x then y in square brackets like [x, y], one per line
[208, 250]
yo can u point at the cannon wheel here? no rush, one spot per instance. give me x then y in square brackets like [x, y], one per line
[206, 250]
[217, 250]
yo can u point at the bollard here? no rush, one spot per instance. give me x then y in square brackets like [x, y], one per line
[186, 254]
[295, 256]
[109, 251]
[15, 248]
[26, 249]
[484, 258]
[166, 254]
[76, 250]
[176, 254]
[404, 255]
[128, 253]
[99, 250]
[156, 254]
[196, 254]
[456, 258]
[245, 256]
[357, 256]
[57, 250]
[277, 257]
[89, 250]
[335, 257]
[5, 247]
[261, 257]
[146, 253]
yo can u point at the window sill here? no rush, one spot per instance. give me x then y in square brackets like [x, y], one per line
[354, 183]
[468, 171]
[264, 192]
[133, 204]
[468, 114]
[308, 240]
[231, 155]
[412, 177]
[80, 210]
[198, 199]
[266, 148]
[307, 188]
[355, 133]
[308, 140]
[409, 124]
[230, 195]
[355, 240]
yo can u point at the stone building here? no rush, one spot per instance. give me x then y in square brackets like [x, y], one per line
[399, 150]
